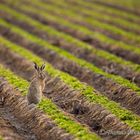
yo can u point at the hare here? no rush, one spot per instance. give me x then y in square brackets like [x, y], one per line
[37, 85]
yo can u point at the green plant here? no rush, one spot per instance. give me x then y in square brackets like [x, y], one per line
[84, 89]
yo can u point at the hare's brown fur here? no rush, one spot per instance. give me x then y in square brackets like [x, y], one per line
[37, 85]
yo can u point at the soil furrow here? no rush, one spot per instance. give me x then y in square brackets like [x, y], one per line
[112, 90]
[7, 130]
[71, 101]
[106, 65]
[115, 49]
[31, 123]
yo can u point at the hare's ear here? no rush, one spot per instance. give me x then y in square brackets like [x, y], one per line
[36, 66]
[42, 67]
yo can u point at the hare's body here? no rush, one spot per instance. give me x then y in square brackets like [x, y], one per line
[36, 87]
[35, 92]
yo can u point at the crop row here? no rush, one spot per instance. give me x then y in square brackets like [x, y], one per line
[126, 36]
[56, 89]
[18, 120]
[53, 32]
[82, 62]
[15, 34]
[87, 91]
[98, 71]
[94, 35]
[107, 10]
[47, 106]
[63, 53]
[73, 16]
[129, 6]
[127, 3]
[67, 38]
[116, 78]
[119, 22]
[69, 56]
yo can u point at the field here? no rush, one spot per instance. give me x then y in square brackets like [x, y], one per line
[91, 50]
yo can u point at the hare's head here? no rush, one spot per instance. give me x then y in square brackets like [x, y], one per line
[40, 71]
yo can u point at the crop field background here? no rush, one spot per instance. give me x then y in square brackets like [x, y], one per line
[91, 49]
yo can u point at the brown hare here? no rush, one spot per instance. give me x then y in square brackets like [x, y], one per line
[37, 85]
